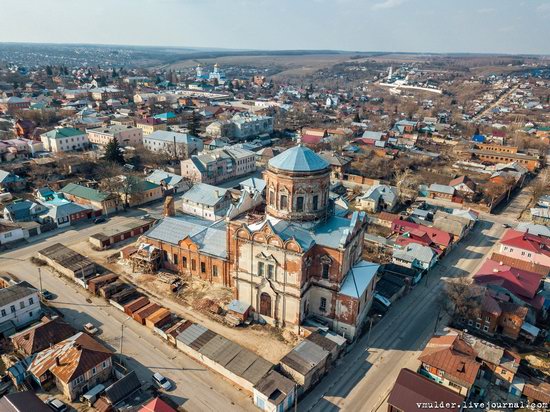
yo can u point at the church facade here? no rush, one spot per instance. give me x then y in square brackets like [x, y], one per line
[302, 264]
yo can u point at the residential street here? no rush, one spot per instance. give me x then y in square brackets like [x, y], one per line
[365, 376]
[197, 388]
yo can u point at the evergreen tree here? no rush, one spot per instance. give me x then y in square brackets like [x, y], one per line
[113, 153]
[194, 124]
[357, 119]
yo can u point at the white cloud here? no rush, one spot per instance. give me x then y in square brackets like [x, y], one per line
[387, 4]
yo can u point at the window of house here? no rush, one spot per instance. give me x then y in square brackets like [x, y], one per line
[323, 305]
[270, 271]
[94, 371]
[470, 322]
[165, 255]
[284, 201]
[478, 325]
[261, 268]
[315, 202]
[7, 234]
[300, 203]
[104, 364]
[487, 318]
[203, 267]
[31, 301]
[175, 259]
[193, 264]
[271, 198]
[486, 328]
[22, 305]
[3, 312]
[184, 261]
[325, 271]
[454, 385]
[30, 314]
[214, 270]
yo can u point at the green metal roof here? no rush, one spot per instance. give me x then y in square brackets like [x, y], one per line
[64, 132]
[84, 192]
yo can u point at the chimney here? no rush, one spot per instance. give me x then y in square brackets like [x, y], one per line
[57, 361]
[169, 208]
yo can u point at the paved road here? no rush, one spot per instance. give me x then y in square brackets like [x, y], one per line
[364, 377]
[197, 388]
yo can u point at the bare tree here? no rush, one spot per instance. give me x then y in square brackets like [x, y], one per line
[462, 298]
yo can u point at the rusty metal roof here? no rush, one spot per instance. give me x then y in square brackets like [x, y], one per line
[77, 355]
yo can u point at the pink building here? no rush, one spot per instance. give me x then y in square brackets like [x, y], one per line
[126, 135]
[525, 246]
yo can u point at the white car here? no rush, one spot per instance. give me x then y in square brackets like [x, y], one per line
[90, 329]
[161, 382]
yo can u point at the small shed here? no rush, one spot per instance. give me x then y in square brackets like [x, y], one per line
[239, 309]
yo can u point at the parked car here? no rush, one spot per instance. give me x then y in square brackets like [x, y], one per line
[161, 382]
[56, 405]
[100, 219]
[90, 328]
[46, 294]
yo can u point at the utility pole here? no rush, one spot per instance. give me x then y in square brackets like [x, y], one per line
[40, 280]
[121, 336]
[295, 397]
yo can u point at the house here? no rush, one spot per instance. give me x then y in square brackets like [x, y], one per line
[437, 191]
[464, 185]
[169, 182]
[415, 233]
[150, 125]
[64, 213]
[41, 336]
[219, 165]
[74, 365]
[525, 246]
[125, 135]
[19, 306]
[338, 164]
[412, 389]
[10, 232]
[206, 201]
[415, 256]
[68, 262]
[22, 402]
[275, 393]
[139, 192]
[449, 361]
[497, 317]
[107, 203]
[522, 285]
[454, 224]
[11, 182]
[378, 198]
[64, 139]
[23, 211]
[123, 395]
[13, 104]
[178, 145]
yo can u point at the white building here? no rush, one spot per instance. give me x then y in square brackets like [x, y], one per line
[64, 139]
[206, 201]
[246, 125]
[125, 135]
[182, 145]
[19, 304]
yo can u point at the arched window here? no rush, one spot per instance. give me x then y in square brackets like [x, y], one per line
[315, 202]
[284, 201]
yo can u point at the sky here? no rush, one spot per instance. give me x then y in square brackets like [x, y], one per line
[439, 26]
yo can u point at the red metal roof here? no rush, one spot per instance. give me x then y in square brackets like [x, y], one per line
[526, 241]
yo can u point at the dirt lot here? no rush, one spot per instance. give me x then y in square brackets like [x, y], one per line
[268, 342]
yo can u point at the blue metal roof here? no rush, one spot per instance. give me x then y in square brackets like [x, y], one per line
[299, 159]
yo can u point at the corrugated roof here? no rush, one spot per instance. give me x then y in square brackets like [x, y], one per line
[16, 292]
[206, 194]
[189, 335]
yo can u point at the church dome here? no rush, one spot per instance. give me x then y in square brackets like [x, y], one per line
[299, 159]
